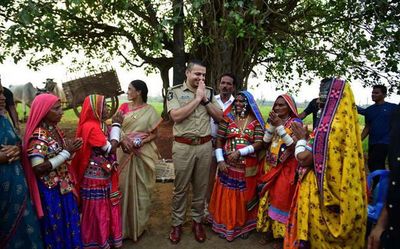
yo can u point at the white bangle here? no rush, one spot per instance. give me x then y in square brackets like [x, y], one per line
[107, 148]
[267, 137]
[115, 133]
[288, 140]
[219, 154]
[246, 150]
[269, 133]
[271, 129]
[298, 150]
[301, 142]
[280, 130]
[59, 159]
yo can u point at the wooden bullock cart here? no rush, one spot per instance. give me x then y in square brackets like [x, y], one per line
[105, 83]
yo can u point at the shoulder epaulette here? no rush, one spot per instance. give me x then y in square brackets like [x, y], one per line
[211, 91]
[174, 87]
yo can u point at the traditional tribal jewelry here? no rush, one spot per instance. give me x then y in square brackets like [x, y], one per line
[288, 140]
[300, 147]
[269, 133]
[244, 125]
[219, 154]
[244, 110]
[61, 157]
[246, 150]
[115, 132]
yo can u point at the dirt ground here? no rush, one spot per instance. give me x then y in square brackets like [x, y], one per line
[156, 235]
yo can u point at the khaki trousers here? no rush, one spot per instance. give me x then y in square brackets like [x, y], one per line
[191, 163]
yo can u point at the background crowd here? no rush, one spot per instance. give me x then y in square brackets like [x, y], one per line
[299, 188]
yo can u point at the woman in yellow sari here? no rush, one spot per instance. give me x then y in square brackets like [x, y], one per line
[329, 209]
[137, 158]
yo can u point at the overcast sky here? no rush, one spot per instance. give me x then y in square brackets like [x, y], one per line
[12, 74]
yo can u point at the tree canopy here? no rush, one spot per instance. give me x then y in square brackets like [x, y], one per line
[290, 39]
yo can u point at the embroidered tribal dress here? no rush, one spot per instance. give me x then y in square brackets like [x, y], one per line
[138, 173]
[329, 209]
[19, 226]
[60, 223]
[98, 180]
[279, 180]
[233, 204]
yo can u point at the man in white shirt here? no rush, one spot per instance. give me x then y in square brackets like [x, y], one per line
[226, 87]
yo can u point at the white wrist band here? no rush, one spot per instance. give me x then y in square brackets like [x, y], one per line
[115, 133]
[219, 154]
[280, 130]
[269, 133]
[298, 150]
[301, 142]
[246, 150]
[107, 148]
[267, 137]
[287, 139]
[59, 159]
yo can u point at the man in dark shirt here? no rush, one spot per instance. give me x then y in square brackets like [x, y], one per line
[386, 232]
[377, 126]
[313, 108]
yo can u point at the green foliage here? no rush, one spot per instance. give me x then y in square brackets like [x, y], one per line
[300, 39]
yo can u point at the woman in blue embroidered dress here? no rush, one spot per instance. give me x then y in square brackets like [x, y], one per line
[46, 156]
[19, 227]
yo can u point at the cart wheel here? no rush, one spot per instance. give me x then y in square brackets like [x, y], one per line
[77, 109]
[113, 104]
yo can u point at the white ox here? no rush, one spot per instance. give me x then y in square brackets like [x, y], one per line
[26, 93]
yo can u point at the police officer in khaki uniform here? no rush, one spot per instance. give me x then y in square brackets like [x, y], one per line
[190, 106]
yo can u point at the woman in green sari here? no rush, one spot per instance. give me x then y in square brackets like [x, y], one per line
[137, 158]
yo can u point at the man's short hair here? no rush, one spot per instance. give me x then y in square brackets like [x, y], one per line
[381, 87]
[193, 62]
[231, 75]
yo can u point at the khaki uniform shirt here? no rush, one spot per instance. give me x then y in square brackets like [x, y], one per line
[197, 124]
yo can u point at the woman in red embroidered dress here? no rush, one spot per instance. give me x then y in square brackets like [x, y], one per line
[97, 175]
[233, 204]
[279, 178]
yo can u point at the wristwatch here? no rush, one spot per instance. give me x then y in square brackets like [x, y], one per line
[206, 102]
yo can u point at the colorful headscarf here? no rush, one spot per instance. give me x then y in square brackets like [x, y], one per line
[41, 105]
[253, 105]
[290, 102]
[92, 130]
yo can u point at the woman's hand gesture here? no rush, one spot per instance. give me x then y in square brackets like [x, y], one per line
[73, 145]
[300, 131]
[118, 118]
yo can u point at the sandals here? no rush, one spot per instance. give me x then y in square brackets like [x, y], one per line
[245, 235]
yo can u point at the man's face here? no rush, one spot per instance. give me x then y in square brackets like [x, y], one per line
[196, 74]
[226, 86]
[377, 95]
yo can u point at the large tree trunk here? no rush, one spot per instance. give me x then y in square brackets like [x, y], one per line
[179, 44]
[226, 53]
[178, 55]
[164, 71]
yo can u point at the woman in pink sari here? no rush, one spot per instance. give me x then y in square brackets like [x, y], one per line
[97, 175]
[137, 158]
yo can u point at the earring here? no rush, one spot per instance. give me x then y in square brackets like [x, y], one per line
[243, 112]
